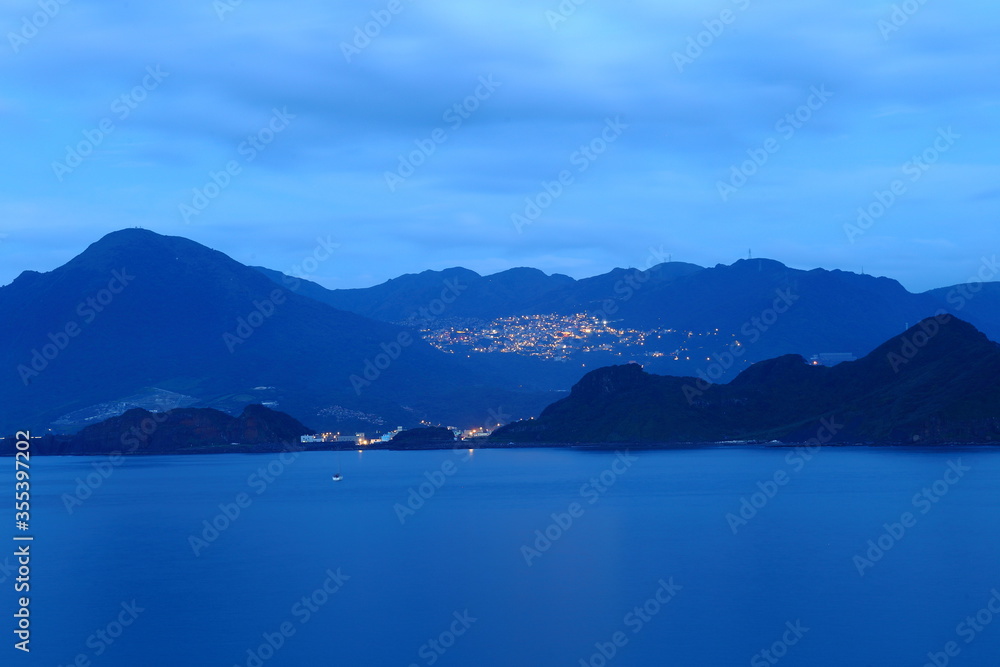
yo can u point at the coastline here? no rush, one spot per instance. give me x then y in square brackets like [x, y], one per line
[273, 448]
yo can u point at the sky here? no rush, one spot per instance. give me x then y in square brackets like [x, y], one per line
[392, 136]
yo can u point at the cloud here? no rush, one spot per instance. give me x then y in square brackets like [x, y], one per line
[558, 83]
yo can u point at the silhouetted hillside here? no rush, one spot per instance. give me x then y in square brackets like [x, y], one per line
[180, 431]
[138, 310]
[935, 383]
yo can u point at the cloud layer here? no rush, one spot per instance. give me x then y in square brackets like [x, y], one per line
[418, 135]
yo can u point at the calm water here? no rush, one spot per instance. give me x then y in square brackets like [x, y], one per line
[451, 585]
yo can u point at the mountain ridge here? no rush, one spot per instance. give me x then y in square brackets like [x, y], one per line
[736, 300]
[139, 312]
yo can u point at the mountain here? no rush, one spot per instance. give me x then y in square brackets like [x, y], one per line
[683, 319]
[139, 313]
[518, 291]
[934, 383]
[178, 431]
[978, 303]
[181, 431]
[140, 320]
[468, 294]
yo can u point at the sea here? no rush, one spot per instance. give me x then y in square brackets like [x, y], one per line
[840, 556]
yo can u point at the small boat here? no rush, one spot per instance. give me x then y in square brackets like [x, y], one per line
[337, 476]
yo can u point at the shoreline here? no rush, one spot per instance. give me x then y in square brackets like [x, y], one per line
[578, 446]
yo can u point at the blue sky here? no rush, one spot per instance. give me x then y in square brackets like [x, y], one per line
[643, 109]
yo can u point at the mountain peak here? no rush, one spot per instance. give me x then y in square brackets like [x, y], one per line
[135, 246]
[156, 261]
[429, 277]
[128, 234]
[784, 369]
[527, 279]
[520, 271]
[758, 264]
[610, 380]
[133, 238]
[940, 338]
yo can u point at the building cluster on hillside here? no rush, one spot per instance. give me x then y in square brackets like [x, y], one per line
[340, 412]
[558, 337]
